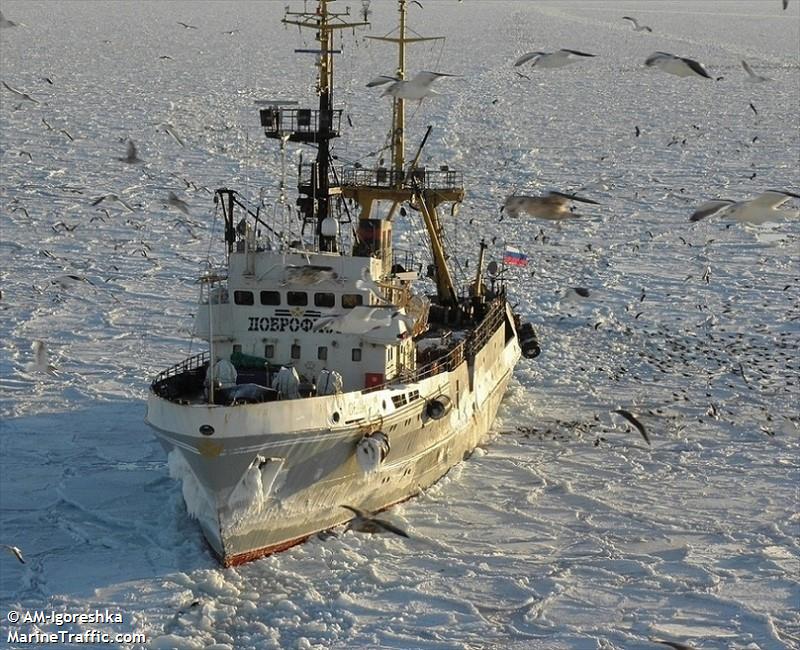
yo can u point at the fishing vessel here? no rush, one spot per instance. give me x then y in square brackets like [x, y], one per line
[337, 371]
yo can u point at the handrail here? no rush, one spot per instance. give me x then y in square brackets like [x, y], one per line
[298, 122]
[481, 334]
[448, 362]
[191, 363]
[426, 179]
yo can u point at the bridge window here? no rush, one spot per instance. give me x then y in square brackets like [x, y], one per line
[269, 351]
[356, 354]
[350, 300]
[296, 298]
[295, 351]
[322, 353]
[243, 297]
[324, 300]
[270, 297]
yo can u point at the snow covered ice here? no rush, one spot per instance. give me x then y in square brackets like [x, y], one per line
[566, 530]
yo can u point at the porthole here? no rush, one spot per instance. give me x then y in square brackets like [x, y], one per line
[206, 429]
[336, 416]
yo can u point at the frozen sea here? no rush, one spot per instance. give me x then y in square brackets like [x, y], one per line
[565, 530]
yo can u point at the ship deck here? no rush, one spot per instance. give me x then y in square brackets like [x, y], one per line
[440, 349]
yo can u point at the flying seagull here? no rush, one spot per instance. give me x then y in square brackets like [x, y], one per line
[15, 550]
[554, 206]
[630, 417]
[552, 59]
[176, 202]
[677, 645]
[759, 210]
[636, 26]
[380, 80]
[676, 65]
[186, 25]
[131, 156]
[112, 197]
[168, 128]
[365, 522]
[417, 88]
[19, 93]
[752, 76]
[6, 23]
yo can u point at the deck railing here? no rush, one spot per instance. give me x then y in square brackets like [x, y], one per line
[445, 363]
[450, 361]
[421, 178]
[300, 124]
[484, 331]
[192, 363]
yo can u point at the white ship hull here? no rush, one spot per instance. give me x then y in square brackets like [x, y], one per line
[274, 473]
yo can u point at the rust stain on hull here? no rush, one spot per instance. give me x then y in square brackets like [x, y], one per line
[243, 558]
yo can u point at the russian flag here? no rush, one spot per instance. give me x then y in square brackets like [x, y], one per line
[515, 257]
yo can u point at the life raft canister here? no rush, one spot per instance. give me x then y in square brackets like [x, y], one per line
[529, 342]
[372, 450]
[438, 407]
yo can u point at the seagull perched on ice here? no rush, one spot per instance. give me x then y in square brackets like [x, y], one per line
[366, 522]
[417, 88]
[15, 550]
[676, 65]
[552, 59]
[554, 206]
[131, 156]
[759, 210]
[636, 26]
[752, 76]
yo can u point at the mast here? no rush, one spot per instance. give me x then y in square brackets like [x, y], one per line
[477, 285]
[399, 121]
[398, 107]
[324, 22]
[422, 189]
